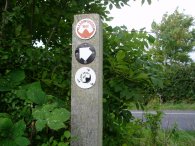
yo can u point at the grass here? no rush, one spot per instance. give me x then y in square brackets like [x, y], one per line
[171, 105]
[171, 137]
[167, 138]
[150, 133]
[184, 138]
[177, 106]
[156, 105]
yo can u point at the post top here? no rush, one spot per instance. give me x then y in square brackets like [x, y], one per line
[87, 15]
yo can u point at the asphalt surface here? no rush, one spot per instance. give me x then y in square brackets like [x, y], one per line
[184, 120]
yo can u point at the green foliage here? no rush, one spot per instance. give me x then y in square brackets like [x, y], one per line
[154, 123]
[32, 93]
[30, 102]
[65, 137]
[148, 132]
[130, 76]
[12, 134]
[149, 2]
[175, 38]
[11, 80]
[180, 84]
[184, 138]
[51, 116]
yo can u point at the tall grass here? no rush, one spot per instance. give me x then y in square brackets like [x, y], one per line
[155, 104]
[149, 132]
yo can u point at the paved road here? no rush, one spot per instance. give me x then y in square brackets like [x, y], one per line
[185, 120]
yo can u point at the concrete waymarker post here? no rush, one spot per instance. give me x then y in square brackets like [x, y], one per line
[86, 86]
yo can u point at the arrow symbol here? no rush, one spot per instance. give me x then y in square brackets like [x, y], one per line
[85, 53]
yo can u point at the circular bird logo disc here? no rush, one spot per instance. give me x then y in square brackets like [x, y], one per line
[85, 77]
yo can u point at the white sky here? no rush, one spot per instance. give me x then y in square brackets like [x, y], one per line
[138, 16]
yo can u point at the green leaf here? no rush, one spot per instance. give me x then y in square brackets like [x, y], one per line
[122, 4]
[151, 39]
[142, 76]
[57, 117]
[37, 96]
[22, 141]
[67, 134]
[36, 10]
[16, 76]
[105, 2]
[18, 30]
[120, 55]
[32, 92]
[11, 80]
[50, 115]
[143, 1]
[5, 125]
[149, 2]
[110, 6]
[55, 125]
[7, 142]
[125, 93]
[40, 124]
[117, 6]
[122, 67]
[44, 111]
[63, 144]
[4, 115]
[39, 114]
[18, 128]
[21, 94]
[60, 114]
[49, 107]
[157, 82]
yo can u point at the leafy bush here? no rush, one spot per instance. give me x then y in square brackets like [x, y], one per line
[179, 84]
[12, 133]
[130, 76]
[30, 111]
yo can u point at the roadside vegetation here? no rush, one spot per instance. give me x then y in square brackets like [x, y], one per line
[35, 80]
[176, 106]
[155, 104]
[150, 133]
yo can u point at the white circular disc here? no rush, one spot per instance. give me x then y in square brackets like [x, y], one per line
[85, 28]
[85, 77]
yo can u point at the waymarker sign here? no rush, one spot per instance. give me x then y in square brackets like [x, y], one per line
[85, 28]
[85, 53]
[86, 81]
[85, 77]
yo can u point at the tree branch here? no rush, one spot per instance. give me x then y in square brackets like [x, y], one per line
[6, 4]
[50, 36]
[32, 18]
[51, 33]
[3, 19]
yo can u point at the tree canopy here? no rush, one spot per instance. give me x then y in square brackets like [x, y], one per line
[174, 38]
